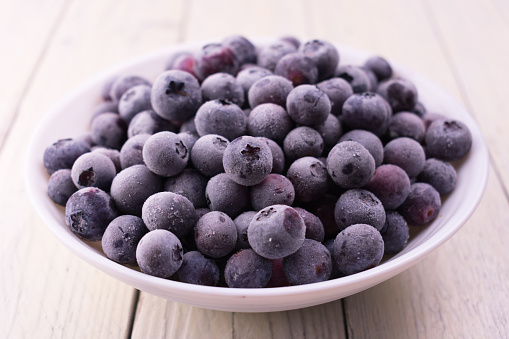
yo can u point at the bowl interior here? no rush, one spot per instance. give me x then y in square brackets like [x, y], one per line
[70, 118]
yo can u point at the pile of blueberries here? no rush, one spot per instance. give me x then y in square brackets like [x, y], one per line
[252, 167]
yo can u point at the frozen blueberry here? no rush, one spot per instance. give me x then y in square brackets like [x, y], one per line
[390, 184]
[106, 89]
[165, 154]
[132, 186]
[188, 126]
[198, 270]
[367, 111]
[159, 253]
[278, 277]
[422, 204]
[269, 56]
[355, 76]
[170, 211]
[207, 154]
[189, 183]
[215, 234]
[358, 248]
[274, 189]
[330, 130]
[338, 90]
[291, 40]
[323, 208]
[222, 86]
[369, 140]
[247, 77]
[380, 67]
[419, 109]
[63, 153]
[278, 157]
[269, 121]
[104, 107]
[448, 140]
[121, 238]
[111, 153]
[93, 170]
[358, 206]
[215, 58]
[350, 165]
[308, 105]
[109, 130]
[176, 95]
[429, 117]
[406, 124]
[247, 160]
[242, 222]
[225, 195]
[183, 61]
[246, 269]
[221, 117]
[335, 273]
[324, 55]
[276, 232]
[373, 81]
[309, 178]
[148, 122]
[314, 226]
[131, 152]
[243, 49]
[311, 263]
[405, 153]
[439, 174]
[88, 212]
[297, 68]
[395, 233]
[270, 89]
[61, 186]
[135, 100]
[400, 93]
[301, 142]
[123, 83]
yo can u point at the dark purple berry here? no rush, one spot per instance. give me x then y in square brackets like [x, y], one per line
[198, 270]
[274, 189]
[63, 153]
[122, 84]
[395, 233]
[314, 226]
[165, 154]
[338, 90]
[401, 94]
[131, 152]
[369, 140]
[324, 55]
[225, 195]
[93, 170]
[350, 165]
[311, 263]
[190, 184]
[270, 89]
[367, 111]
[243, 49]
[220, 117]
[448, 140]
[270, 55]
[297, 68]
[390, 184]
[215, 234]
[405, 153]
[207, 154]
[359, 206]
[422, 204]
[308, 105]
[242, 222]
[109, 130]
[159, 253]
[121, 238]
[301, 142]
[135, 100]
[309, 178]
[406, 124]
[222, 86]
[246, 269]
[61, 186]
[269, 121]
[215, 58]
[380, 67]
[355, 76]
[148, 122]
[439, 174]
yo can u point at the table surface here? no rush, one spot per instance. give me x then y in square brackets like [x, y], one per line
[50, 46]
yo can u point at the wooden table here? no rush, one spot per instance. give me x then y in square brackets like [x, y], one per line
[50, 46]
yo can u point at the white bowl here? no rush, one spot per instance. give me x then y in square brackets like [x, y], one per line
[70, 118]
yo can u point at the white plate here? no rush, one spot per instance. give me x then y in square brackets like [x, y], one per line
[70, 118]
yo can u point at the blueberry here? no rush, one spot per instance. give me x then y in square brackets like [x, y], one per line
[132, 186]
[207, 154]
[323, 208]
[297, 68]
[405, 153]
[276, 232]
[355, 76]
[278, 157]
[270, 89]
[330, 130]
[176, 95]
[131, 152]
[183, 62]
[269, 56]
[439, 174]
[311, 263]
[225, 195]
[188, 126]
[198, 270]
[422, 204]
[247, 77]
[395, 233]
[246, 269]
[274, 189]
[104, 107]
[165, 154]
[222, 86]
[324, 55]
[220, 117]
[61, 186]
[270, 121]
[88, 212]
[358, 248]
[314, 226]
[301, 142]
[123, 83]
[368, 111]
[308, 105]
[359, 206]
[121, 238]
[242, 222]
[390, 184]
[106, 89]
[215, 58]
[380, 67]
[373, 81]
[419, 109]
[111, 153]
[350, 165]
[448, 140]
[430, 117]
[93, 170]
[309, 178]
[247, 160]
[148, 122]
[189, 183]
[159, 253]
[400, 93]
[63, 153]
[291, 40]
[215, 234]
[189, 139]
[109, 130]
[369, 140]
[243, 49]
[278, 277]
[136, 99]
[406, 124]
[338, 90]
